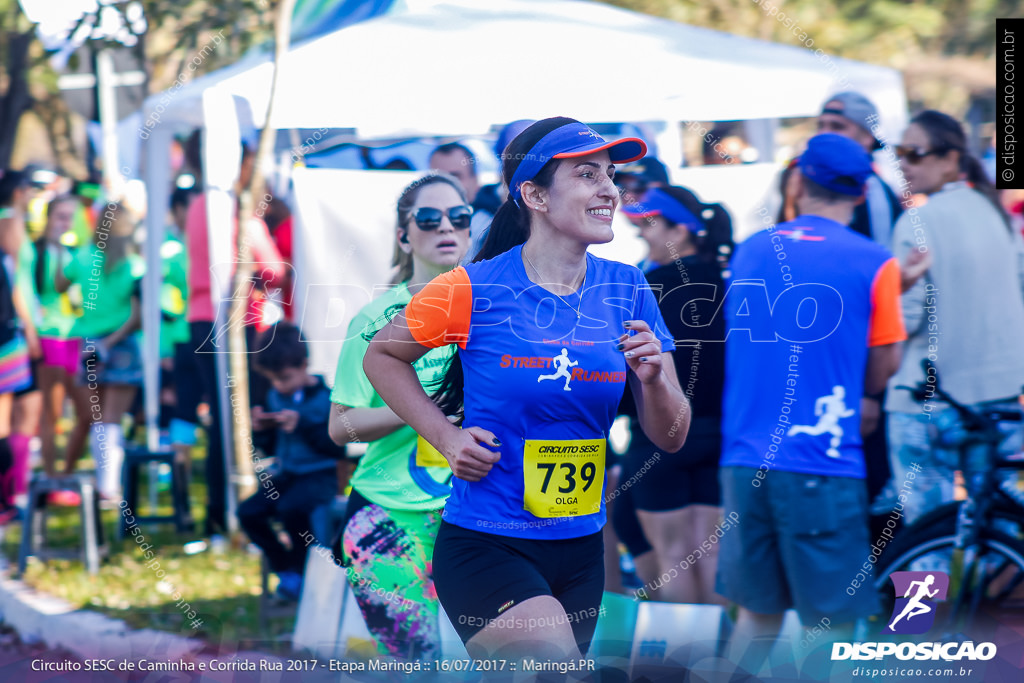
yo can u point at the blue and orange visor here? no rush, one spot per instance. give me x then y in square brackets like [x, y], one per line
[656, 202]
[572, 140]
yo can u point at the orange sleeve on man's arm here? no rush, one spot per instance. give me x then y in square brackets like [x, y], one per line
[886, 315]
[439, 314]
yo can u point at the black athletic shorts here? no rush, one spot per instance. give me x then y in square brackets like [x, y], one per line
[624, 521]
[672, 481]
[33, 370]
[478, 576]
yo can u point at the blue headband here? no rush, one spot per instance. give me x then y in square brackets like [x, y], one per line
[571, 140]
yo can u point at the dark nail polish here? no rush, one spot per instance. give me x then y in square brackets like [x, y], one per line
[495, 441]
[620, 347]
[644, 358]
[625, 324]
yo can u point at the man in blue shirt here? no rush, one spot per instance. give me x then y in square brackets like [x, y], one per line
[813, 323]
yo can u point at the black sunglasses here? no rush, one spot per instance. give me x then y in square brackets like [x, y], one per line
[428, 218]
[633, 184]
[914, 155]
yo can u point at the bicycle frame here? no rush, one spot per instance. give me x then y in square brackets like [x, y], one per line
[975, 513]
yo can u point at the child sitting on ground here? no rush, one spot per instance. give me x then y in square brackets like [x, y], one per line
[304, 477]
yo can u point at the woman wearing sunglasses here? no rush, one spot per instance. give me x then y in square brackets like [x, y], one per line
[965, 310]
[548, 338]
[401, 483]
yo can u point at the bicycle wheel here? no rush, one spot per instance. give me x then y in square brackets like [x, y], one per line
[996, 565]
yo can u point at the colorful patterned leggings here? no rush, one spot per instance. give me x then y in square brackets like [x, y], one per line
[389, 554]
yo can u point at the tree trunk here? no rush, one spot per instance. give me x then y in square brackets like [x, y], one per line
[236, 332]
[17, 99]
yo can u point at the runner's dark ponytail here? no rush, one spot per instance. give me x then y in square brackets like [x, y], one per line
[510, 227]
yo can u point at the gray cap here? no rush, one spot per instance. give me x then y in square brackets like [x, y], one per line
[854, 107]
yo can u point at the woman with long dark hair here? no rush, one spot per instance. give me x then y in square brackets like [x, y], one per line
[60, 362]
[548, 338]
[401, 484]
[678, 498]
[965, 312]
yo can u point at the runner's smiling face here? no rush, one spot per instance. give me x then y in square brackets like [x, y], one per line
[582, 198]
[444, 247]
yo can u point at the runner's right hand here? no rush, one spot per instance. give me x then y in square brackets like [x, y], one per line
[466, 454]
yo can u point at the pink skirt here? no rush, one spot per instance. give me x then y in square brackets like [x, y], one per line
[61, 353]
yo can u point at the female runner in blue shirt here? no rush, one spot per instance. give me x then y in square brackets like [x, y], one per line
[548, 336]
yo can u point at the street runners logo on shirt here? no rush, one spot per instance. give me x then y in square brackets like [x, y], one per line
[914, 614]
[562, 364]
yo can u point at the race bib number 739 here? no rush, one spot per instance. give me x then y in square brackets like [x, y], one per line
[563, 478]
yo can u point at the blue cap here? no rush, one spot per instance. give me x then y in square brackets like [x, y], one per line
[648, 168]
[571, 140]
[508, 133]
[836, 163]
[657, 202]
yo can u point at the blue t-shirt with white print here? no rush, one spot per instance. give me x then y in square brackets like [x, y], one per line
[806, 301]
[546, 380]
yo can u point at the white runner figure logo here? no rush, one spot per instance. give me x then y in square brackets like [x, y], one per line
[562, 365]
[914, 606]
[829, 409]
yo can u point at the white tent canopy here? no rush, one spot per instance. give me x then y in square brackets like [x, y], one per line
[458, 66]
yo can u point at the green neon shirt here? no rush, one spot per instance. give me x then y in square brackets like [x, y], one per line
[106, 297]
[388, 474]
[174, 327]
[57, 316]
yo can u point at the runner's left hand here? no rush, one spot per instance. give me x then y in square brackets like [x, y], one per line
[642, 351]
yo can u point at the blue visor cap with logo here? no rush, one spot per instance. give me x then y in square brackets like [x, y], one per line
[572, 140]
[657, 202]
[836, 163]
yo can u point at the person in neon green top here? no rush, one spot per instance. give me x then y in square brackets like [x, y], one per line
[108, 272]
[56, 373]
[173, 295]
[401, 483]
[174, 327]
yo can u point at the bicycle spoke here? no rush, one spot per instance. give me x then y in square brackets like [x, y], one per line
[983, 576]
[1000, 574]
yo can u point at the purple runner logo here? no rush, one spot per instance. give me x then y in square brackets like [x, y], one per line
[914, 612]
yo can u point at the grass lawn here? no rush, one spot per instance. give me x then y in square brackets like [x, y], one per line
[223, 589]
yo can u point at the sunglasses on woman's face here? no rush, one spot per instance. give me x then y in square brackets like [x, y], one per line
[632, 185]
[428, 218]
[914, 155]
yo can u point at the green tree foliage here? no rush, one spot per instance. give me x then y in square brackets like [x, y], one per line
[876, 30]
[945, 48]
[176, 31]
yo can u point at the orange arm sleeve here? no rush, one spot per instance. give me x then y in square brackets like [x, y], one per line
[886, 316]
[440, 313]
